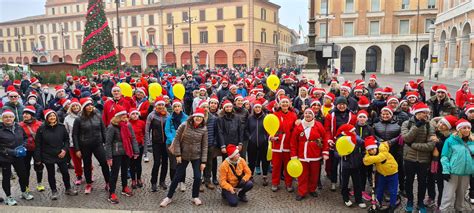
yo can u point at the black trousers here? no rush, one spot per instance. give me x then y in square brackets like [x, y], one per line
[136, 166]
[173, 165]
[19, 166]
[471, 187]
[365, 174]
[334, 166]
[233, 199]
[210, 165]
[38, 168]
[119, 163]
[99, 152]
[421, 172]
[181, 170]
[257, 155]
[354, 174]
[160, 159]
[62, 165]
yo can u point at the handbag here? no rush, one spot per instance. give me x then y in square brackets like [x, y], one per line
[171, 148]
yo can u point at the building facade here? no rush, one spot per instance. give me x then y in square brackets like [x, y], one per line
[383, 36]
[287, 38]
[222, 33]
[454, 39]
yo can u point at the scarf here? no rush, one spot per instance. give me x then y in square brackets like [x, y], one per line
[126, 138]
[176, 119]
[307, 124]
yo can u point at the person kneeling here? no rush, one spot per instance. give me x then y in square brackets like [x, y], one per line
[234, 174]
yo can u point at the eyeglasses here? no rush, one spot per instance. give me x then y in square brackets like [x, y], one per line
[13, 96]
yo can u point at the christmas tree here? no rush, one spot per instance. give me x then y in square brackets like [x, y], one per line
[98, 50]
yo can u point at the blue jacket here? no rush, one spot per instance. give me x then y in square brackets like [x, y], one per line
[456, 158]
[211, 130]
[170, 130]
[242, 92]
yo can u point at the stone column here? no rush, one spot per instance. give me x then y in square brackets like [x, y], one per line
[311, 70]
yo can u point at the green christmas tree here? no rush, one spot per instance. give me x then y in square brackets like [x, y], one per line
[98, 50]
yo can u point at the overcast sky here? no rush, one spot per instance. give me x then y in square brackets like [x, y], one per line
[291, 12]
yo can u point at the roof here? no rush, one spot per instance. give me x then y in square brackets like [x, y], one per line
[302, 49]
[28, 18]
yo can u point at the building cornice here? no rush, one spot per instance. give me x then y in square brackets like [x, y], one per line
[459, 10]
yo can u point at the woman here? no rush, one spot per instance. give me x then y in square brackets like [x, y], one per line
[457, 161]
[190, 147]
[172, 123]
[309, 145]
[316, 107]
[72, 114]
[88, 134]
[258, 141]
[11, 137]
[30, 126]
[52, 142]
[120, 146]
[302, 101]
[229, 128]
[136, 164]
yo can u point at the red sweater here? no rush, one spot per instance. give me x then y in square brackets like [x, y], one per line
[139, 130]
[109, 108]
[143, 108]
[30, 145]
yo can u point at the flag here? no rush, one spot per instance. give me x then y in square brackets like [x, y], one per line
[141, 44]
[300, 28]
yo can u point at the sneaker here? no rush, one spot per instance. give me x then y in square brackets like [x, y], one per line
[40, 188]
[154, 187]
[197, 201]
[275, 188]
[134, 184]
[71, 192]
[27, 195]
[430, 203]
[88, 189]
[243, 198]
[422, 209]
[201, 188]
[146, 159]
[107, 187]
[362, 205]
[409, 207]
[113, 198]
[314, 194]
[471, 200]
[54, 195]
[10, 201]
[290, 189]
[366, 196]
[333, 187]
[78, 181]
[163, 186]
[139, 183]
[265, 181]
[165, 202]
[182, 187]
[127, 191]
[210, 186]
[348, 203]
[299, 198]
[258, 171]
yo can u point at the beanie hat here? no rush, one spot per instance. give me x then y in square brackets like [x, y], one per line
[420, 107]
[449, 120]
[199, 112]
[362, 113]
[363, 102]
[47, 112]
[30, 109]
[341, 100]
[119, 110]
[370, 142]
[84, 102]
[232, 150]
[462, 123]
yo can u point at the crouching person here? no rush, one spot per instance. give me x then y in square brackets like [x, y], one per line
[234, 174]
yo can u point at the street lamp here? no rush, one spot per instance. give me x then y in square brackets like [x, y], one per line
[62, 37]
[189, 20]
[416, 42]
[172, 26]
[430, 49]
[119, 47]
[19, 42]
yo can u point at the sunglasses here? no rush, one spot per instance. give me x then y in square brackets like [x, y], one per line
[13, 96]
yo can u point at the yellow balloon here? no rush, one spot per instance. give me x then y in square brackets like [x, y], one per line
[154, 90]
[271, 124]
[126, 89]
[273, 82]
[269, 151]
[344, 145]
[178, 91]
[294, 168]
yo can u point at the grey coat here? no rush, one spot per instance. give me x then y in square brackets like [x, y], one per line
[418, 147]
[191, 143]
[113, 142]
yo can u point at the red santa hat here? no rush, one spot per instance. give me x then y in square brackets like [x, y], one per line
[442, 88]
[358, 89]
[95, 74]
[469, 108]
[462, 123]
[59, 89]
[203, 103]
[34, 80]
[11, 90]
[226, 103]
[304, 88]
[47, 113]
[95, 91]
[449, 121]
[388, 90]
[159, 100]
[214, 99]
[84, 102]
[346, 129]
[119, 110]
[232, 150]
[16, 83]
[257, 103]
[8, 112]
[199, 112]
[64, 102]
[315, 101]
[202, 87]
[233, 86]
[419, 81]
[77, 92]
[330, 96]
[378, 91]
[373, 77]
[362, 113]
[434, 88]
[133, 110]
[346, 86]
[115, 87]
[30, 109]
[412, 94]
[388, 109]
[176, 102]
[359, 82]
[32, 94]
[284, 98]
[238, 97]
[393, 98]
[140, 89]
[363, 102]
[420, 107]
[74, 101]
[310, 111]
[370, 143]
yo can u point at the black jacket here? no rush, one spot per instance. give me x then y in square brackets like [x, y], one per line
[255, 130]
[88, 131]
[389, 131]
[50, 141]
[229, 130]
[10, 138]
[222, 93]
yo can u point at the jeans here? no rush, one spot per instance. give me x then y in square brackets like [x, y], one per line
[354, 174]
[119, 163]
[38, 169]
[233, 199]
[181, 170]
[99, 152]
[160, 158]
[19, 166]
[173, 164]
[62, 165]
[389, 183]
[136, 166]
[256, 155]
[421, 172]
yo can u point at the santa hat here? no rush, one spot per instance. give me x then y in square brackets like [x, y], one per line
[388, 90]
[199, 112]
[346, 86]
[84, 102]
[363, 102]
[304, 88]
[370, 143]
[47, 113]
[434, 88]
[77, 92]
[412, 94]
[214, 99]
[34, 81]
[203, 103]
[232, 150]
[246, 100]
[16, 83]
[388, 109]
[468, 108]
[95, 74]
[64, 102]
[449, 120]
[128, 74]
[226, 103]
[462, 123]
[133, 110]
[32, 94]
[238, 97]
[11, 90]
[330, 96]
[95, 91]
[419, 81]
[233, 86]
[309, 110]
[119, 110]
[315, 101]
[362, 113]
[442, 88]
[30, 109]
[59, 89]
[140, 89]
[176, 102]
[8, 112]
[346, 129]
[115, 87]
[373, 77]
[159, 100]
[359, 82]
[214, 82]
[75, 78]
[86, 84]
[284, 98]
[202, 87]
[359, 89]
[413, 86]
[75, 101]
[257, 103]
[392, 98]
[378, 91]
[420, 107]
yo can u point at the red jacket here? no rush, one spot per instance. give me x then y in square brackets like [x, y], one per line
[139, 130]
[143, 108]
[309, 147]
[109, 108]
[461, 98]
[30, 144]
[287, 123]
[330, 124]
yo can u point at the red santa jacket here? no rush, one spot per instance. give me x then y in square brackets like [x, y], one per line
[330, 124]
[30, 133]
[143, 108]
[461, 98]
[309, 144]
[139, 130]
[109, 108]
[287, 123]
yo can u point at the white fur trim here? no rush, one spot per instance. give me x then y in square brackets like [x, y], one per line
[159, 102]
[235, 153]
[198, 114]
[444, 121]
[123, 112]
[8, 113]
[463, 124]
[420, 110]
[227, 104]
[366, 105]
[374, 146]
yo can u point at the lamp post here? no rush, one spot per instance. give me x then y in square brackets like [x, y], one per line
[119, 47]
[172, 26]
[19, 43]
[189, 21]
[430, 50]
[416, 42]
[62, 39]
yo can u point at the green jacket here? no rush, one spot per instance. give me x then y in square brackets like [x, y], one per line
[456, 159]
[418, 147]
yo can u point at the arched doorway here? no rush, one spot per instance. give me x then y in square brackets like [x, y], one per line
[402, 59]
[3, 60]
[26, 60]
[185, 59]
[348, 56]
[452, 49]
[423, 58]
[152, 60]
[239, 58]
[123, 59]
[220, 59]
[136, 61]
[373, 59]
[55, 58]
[18, 60]
[43, 59]
[78, 59]
[34, 59]
[170, 59]
[68, 59]
[203, 58]
[256, 58]
[10, 60]
[465, 48]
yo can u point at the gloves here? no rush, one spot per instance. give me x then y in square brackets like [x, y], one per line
[446, 177]
[420, 123]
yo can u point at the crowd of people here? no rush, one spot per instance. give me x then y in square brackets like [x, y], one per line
[397, 137]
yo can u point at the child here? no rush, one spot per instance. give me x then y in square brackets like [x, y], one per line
[138, 127]
[363, 130]
[328, 103]
[387, 169]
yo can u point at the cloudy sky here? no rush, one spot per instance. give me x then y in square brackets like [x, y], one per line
[291, 12]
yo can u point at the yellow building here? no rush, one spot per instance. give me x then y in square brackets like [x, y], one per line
[287, 38]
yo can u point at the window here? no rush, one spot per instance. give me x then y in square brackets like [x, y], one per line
[220, 36]
[151, 1]
[23, 31]
[405, 4]
[375, 5]
[238, 12]
[374, 28]
[185, 38]
[17, 45]
[275, 17]
[404, 27]
[24, 47]
[65, 10]
[324, 6]
[55, 43]
[54, 28]
[431, 4]
[32, 44]
[78, 8]
[263, 14]
[8, 32]
[78, 26]
[53, 11]
[428, 23]
[42, 29]
[1, 32]
[134, 2]
[151, 20]
[66, 27]
[169, 18]
[202, 15]
[239, 35]
[134, 40]
[220, 14]
[349, 6]
[1, 47]
[15, 31]
[322, 29]
[203, 37]
[184, 16]
[79, 42]
[9, 45]
[275, 37]
[263, 37]
[31, 30]
[151, 38]
[134, 21]
[348, 28]
[66, 43]
[43, 43]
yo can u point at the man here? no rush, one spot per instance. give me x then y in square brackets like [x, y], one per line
[202, 96]
[416, 134]
[68, 86]
[232, 93]
[190, 85]
[345, 91]
[142, 103]
[25, 84]
[109, 106]
[14, 104]
[373, 85]
[289, 87]
[440, 104]
[54, 103]
[224, 91]
[35, 86]
[242, 90]
[107, 85]
[243, 115]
